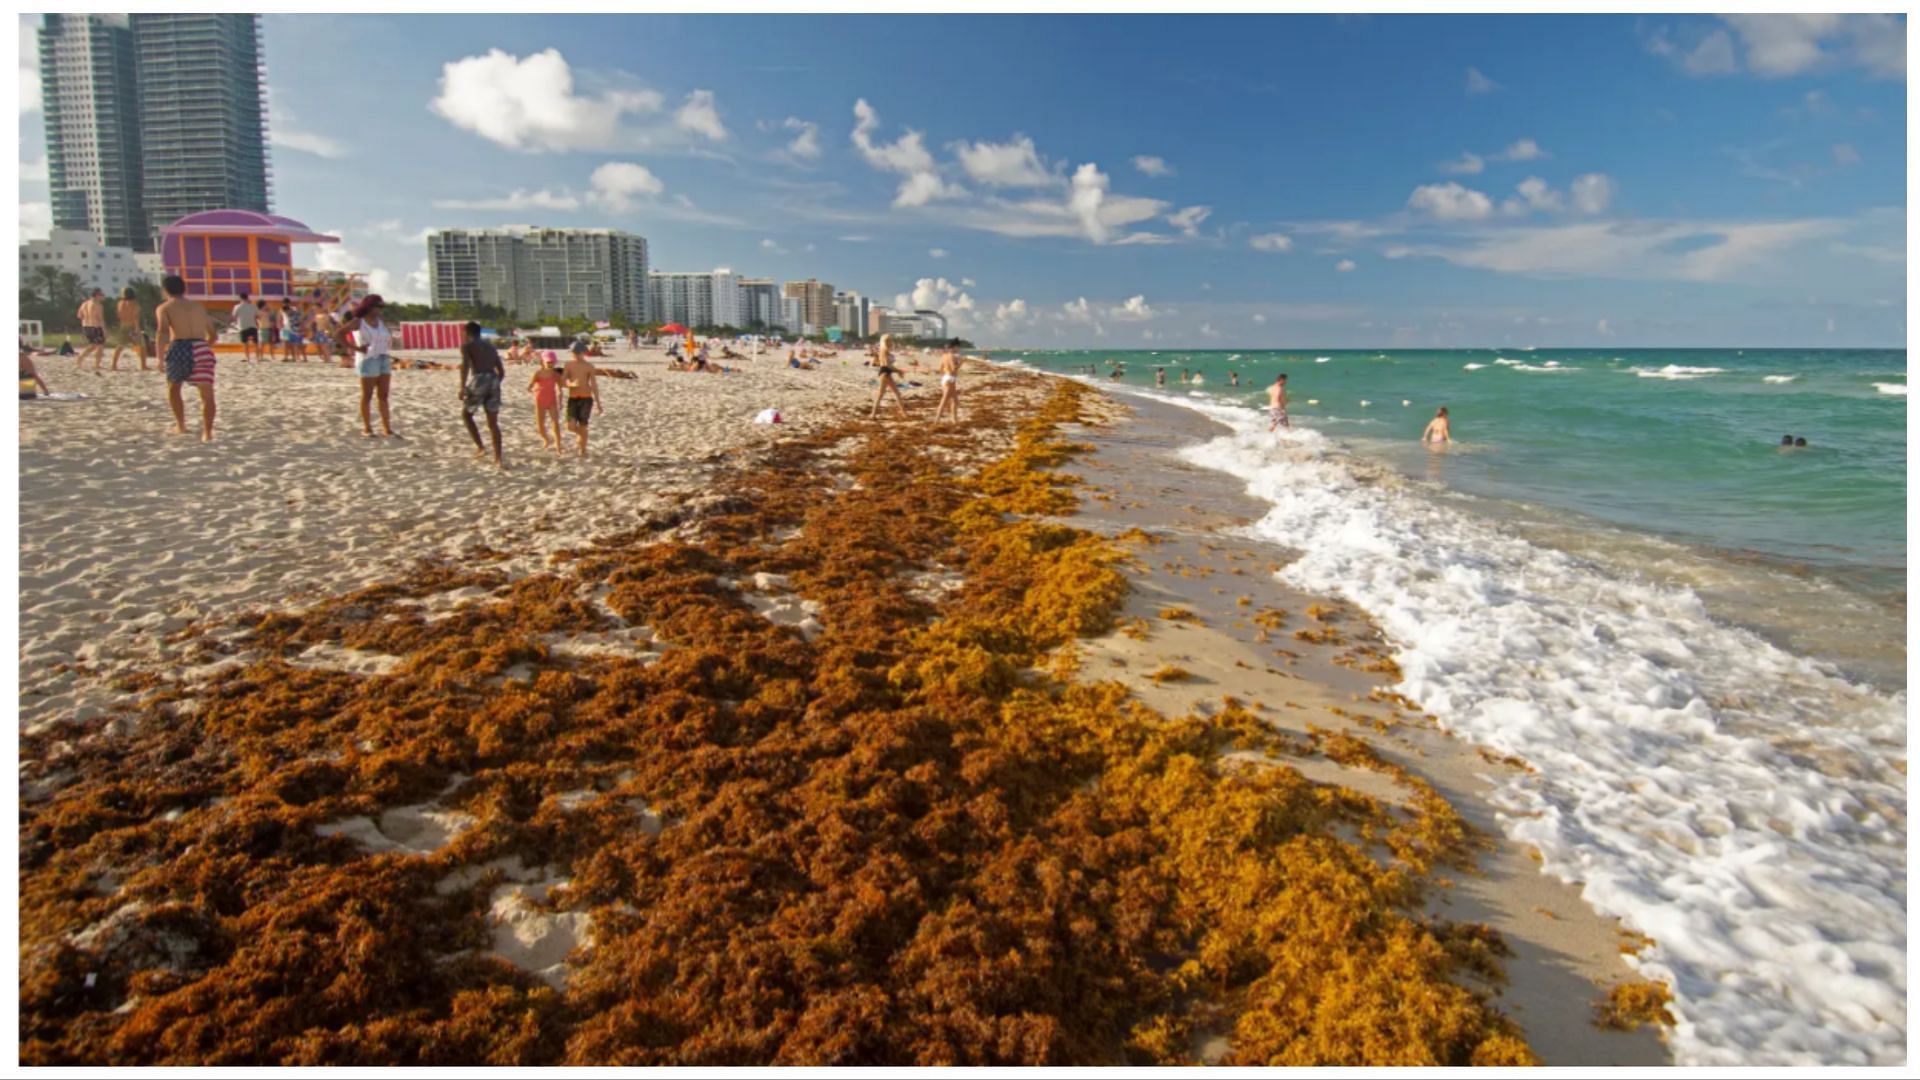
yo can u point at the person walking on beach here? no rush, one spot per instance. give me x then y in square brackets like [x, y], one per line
[368, 335]
[481, 373]
[583, 393]
[545, 386]
[247, 317]
[884, 359]
[1277, 404]
[126, 331]
[93, 327]
[1438, 429]
[183, 335]
[949, 382]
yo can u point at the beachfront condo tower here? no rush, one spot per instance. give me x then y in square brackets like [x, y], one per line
[536, 272]
[93, 128]
[150, 118]
[698, 298]
[816, 302]
[203, 131]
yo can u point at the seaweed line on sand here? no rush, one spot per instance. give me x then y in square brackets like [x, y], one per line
[905, 840]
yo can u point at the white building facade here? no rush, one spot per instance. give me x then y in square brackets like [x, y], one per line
[538, 272]
[76, 252]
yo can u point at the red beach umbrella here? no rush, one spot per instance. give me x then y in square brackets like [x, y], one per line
[673, 328]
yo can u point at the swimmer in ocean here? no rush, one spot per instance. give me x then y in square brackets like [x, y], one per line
[1277, 404]
[1438, 430]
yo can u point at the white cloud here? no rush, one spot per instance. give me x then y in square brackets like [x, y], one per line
[768, 244]
[1467, 164]
[618, 186]
[1088, 191]
[1534, 194]
[1478, 83]
[936, 253]
[1135, 309]
[805, 145]
[856, 239]
[1683, 251]
[1450, 202]
[1008, 164]
[1260, 318]
[408, 287]
[1271, 242]
[1346, 266]
[518, 199]
[1077, 310]
[1603, 328]
[906, 155]
[1593, 193]
[1150, 165]
[35, 171]
[36, 220]
[967, 282]
[1207, 330]
[1782, 45]
[701, 116]
[29, 64]
[1188, 221]
[530, 104]
[1011, 311]
[941, 295]
[1522, 150]
[1843, 154]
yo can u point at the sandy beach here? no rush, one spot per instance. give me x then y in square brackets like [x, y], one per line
[131, 534]
[533, 738]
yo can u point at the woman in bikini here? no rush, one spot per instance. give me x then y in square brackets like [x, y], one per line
[545, 386]
[887, 372]
[949, 382]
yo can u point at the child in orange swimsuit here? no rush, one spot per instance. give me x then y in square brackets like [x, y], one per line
[546, 399]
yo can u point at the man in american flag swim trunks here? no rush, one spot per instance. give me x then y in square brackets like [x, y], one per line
[185, 339]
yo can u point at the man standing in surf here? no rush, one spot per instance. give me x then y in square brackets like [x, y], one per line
[1277, 404]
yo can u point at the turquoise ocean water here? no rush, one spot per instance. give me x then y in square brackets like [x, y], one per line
[1664, 463]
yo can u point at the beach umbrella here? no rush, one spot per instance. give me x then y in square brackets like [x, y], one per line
[673, 328]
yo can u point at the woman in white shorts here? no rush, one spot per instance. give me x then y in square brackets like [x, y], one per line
[949, 383]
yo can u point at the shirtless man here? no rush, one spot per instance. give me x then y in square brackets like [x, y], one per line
[583, 393]
[949, 382]
[1277, 404]
[126, 331]
[93, 326]
[183, 337]
[481, 374]
[1438, 431]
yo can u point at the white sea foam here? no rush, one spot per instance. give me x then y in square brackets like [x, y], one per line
[1676, 371]
[1473, 367]
[1895, 388]
[1504, 362]
[1732, 801]
[1321, 359]
[1780, 378]
[1551, 365]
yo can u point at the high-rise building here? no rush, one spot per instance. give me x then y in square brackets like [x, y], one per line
[93, 128]
[699, 298]
[533, 271]
[850, 313]
[760, 304]
[150, 118]
[203, 116]
[816, 302]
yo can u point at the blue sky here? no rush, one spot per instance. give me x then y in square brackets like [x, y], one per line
[1144, 180]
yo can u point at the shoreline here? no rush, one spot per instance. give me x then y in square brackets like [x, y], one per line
[1566, 957]
[385, 731]
[1830, 614]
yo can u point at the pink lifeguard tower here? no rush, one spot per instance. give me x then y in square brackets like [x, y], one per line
[222, 253]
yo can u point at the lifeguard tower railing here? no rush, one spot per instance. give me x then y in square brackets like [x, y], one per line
[223, 253]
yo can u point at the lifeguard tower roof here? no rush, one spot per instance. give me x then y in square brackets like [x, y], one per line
[223, 253]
